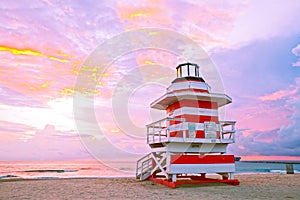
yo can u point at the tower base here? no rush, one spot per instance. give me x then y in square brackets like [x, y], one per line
[190, 180]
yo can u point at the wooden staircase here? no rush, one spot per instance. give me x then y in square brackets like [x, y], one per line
[152, 163]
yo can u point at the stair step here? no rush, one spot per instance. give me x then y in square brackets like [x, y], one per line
[144, 176]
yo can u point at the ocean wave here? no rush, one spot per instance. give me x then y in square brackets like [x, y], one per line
[8, 176]
[50, 170]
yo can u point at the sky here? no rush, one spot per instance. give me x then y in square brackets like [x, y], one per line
[45, 46]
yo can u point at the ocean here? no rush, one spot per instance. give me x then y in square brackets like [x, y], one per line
[95, 169]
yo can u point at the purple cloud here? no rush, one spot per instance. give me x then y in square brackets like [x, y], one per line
[43, 44]
[281, 141]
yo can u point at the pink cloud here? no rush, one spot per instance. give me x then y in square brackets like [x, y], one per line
[35, 82]
[207, 23]
[271, 125]
[296, 50]
[46, 144]
[37, 36]
[288, 93]
[262, 20]
[259, 116]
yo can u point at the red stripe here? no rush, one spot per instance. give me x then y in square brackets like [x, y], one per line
[199, 134]
[196, 119]
[193, 104]
[176, 134]
[187, 80]
[204, 159]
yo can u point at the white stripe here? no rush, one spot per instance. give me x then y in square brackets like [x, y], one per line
[195, 111]
[189, 125]
[201, 168]
[189, 85]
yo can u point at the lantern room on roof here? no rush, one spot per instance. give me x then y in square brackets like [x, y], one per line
[188, 70]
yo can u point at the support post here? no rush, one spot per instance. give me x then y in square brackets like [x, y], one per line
[168, 129]
[231, 176]
[289, 168]
[173, 177]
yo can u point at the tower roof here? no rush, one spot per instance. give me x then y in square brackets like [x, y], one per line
[163, 102]
[189, 85]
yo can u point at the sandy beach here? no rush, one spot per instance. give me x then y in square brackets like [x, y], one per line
[254, 186]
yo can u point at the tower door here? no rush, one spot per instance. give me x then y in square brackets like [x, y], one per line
[210, 130]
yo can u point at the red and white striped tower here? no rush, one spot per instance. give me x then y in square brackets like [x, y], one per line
[191, 141]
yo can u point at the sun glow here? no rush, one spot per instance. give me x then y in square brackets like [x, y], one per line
[30, 52]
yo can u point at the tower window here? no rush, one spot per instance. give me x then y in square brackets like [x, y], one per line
[187, 69]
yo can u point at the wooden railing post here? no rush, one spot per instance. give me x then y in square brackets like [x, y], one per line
[168, 129]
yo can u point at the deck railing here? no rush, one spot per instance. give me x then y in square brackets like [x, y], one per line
[227, 130]
[159, 131]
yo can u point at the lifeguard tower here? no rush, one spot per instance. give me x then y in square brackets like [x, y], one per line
[191, 141]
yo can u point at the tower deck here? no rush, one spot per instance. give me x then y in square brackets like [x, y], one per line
[158, 133]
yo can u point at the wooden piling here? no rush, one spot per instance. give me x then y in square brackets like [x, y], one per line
[289, 168]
